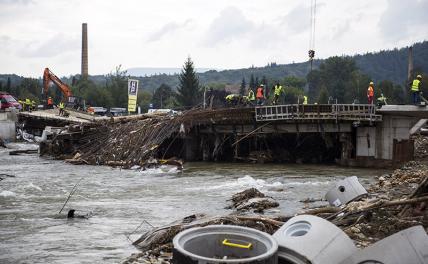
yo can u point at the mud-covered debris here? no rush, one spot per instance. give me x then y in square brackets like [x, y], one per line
[421, 146]
[396, 202]
[258, 204]
[252, 199]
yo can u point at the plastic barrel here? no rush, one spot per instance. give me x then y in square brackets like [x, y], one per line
[224, 244]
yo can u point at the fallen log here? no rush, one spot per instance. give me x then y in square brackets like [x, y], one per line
[23, 151]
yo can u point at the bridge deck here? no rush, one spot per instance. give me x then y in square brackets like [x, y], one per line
[346, 112]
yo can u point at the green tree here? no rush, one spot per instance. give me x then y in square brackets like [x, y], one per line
[323, 95]
[242, 87]
[117, 83]
[253, 84]
[216, 86]
[143, 100]
[8, 85]
[294, 81]
[335, 73]
[162, 98]
[188, 89]
[292, 94]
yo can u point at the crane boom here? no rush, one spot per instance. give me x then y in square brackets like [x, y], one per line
[48, 77]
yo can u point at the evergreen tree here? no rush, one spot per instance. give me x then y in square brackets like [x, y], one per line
[188, 89]
[242, 88]
[8, 85]
[323, 95]
[252, 83]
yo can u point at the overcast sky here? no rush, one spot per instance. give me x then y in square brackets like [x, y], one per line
[220, 34]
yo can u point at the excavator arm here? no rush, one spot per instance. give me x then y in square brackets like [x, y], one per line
[48, 77]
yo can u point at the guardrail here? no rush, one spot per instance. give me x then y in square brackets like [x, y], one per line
[351, 112]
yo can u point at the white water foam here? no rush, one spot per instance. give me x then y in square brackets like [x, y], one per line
[164, 169]
[7, 194]
[244, 183]
[313, 183]
[32, 186]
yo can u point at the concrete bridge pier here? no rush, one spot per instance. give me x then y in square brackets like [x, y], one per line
[8, 121]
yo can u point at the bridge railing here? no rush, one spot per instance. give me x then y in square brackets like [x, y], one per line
[352, 112]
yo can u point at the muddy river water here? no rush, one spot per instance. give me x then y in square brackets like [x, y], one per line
[31, 231]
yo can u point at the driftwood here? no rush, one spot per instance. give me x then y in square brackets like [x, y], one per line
[23, 151]
[4, 176]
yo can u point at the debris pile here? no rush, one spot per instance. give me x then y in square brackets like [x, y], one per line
[252, 199]
[156, 245]
[125, 144]
[396, 201]
[421, 146]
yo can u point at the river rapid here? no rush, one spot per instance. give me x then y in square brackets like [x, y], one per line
[32, 231]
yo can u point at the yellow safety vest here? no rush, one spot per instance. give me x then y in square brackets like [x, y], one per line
[251, 96]
[305, 100]
[278, 89]
[61, 105]
[415, 85]
[27, 101]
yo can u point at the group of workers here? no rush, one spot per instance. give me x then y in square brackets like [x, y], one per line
[259, 97]
[415, 88]
[28, 104]
[61, 106]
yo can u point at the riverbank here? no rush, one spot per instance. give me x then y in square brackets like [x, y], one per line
[396, 201]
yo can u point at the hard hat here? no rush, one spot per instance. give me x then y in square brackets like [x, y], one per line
[371, 83]
[262, 85]
[419, 76]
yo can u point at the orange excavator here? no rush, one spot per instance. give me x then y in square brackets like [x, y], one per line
[68, 97]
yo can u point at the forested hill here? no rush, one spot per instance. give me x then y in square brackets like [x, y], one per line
[384, 65]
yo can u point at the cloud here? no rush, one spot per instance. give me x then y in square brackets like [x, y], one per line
[55, 46]
[231, 24]
[168, 28]
[341, 29]
[404, 19]
[298, 20]
[17, 2]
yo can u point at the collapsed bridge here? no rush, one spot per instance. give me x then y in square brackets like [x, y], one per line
[350, 134]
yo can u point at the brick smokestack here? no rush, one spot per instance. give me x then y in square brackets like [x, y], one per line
[84, 50]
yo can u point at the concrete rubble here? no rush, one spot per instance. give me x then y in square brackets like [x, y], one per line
[397, 201]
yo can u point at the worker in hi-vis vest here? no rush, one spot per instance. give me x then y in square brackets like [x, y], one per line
[251, 96]
[305, 100]
[260, 94]
[415, 88]
[370, 93]
[61, 108]
[277, 93]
